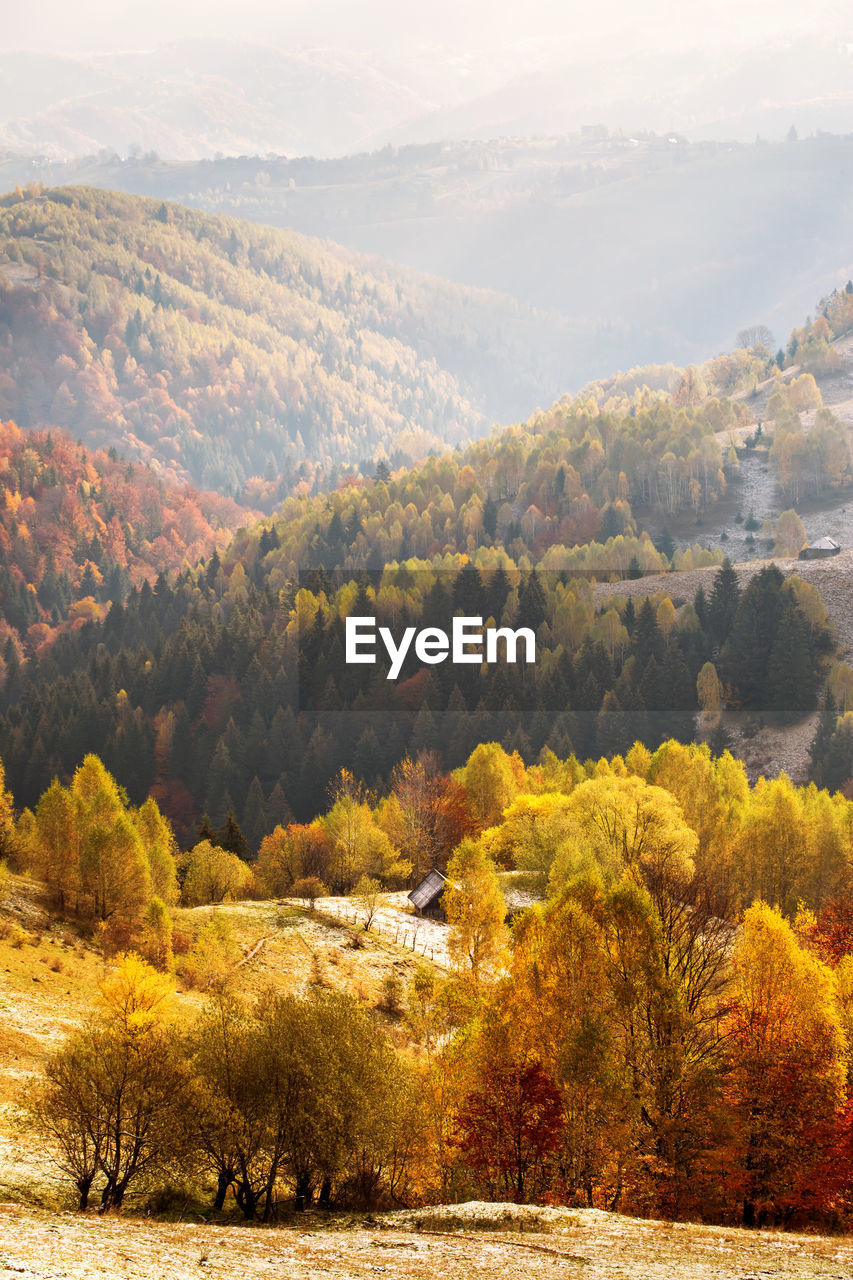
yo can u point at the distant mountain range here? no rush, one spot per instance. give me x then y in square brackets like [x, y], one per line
[700, 94]
[194, 98]
[649, 248]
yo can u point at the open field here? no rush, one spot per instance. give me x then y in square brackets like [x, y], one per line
[585, 1243]
[49, 977]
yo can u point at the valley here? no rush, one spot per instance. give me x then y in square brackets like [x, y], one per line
[641, 247]
[305, 365]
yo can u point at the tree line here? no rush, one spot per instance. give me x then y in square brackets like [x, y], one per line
[665, 1029]
[214, 694]
[305, 1095]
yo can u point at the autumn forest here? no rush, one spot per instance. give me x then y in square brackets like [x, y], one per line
[219, 442]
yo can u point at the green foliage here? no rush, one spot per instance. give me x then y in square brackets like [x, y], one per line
[245, 704]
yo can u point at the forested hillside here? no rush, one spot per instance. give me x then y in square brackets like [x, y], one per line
[79, 528]
[562, 489]
[609, 1050]
[650, 247]
[244, 359]
[226, 693]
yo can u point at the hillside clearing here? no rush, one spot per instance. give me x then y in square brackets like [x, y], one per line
[585, 1243]
[49, 977]
[767, 750]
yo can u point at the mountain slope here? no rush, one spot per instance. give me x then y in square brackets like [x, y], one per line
[650, 248]
[700, 94]
[78, 529]
[193, 98]
[225, 353]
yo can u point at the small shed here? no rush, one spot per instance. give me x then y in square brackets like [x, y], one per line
[426, 897]
[821, 549]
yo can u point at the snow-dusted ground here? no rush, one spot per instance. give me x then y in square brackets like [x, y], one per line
[395, 921]
[475, 1241]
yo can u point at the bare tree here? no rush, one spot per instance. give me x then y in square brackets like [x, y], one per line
[367, 896]
[756, 335]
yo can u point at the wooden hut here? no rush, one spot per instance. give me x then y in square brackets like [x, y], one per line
[426, 897]
[821, 549]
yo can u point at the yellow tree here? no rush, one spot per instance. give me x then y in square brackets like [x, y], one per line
[533, 829]
[359, 845]
[56, 844]
[624, 824]
[114, 871]
[213, 874]
[790, 535]
[475, 910]
[712, 793]
[490, 781]
[841, 686]
[161, 849]
[112, 1100]
[559, 997]
[7, 818]
[709, 691]
[772, 853]
[787, 1069]
[666, 617]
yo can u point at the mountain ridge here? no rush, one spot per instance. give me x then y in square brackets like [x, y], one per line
[235, 355]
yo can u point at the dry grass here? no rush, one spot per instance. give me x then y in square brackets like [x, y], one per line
[46, 987]
[49, 978]
[304, 949]
[585, 1243]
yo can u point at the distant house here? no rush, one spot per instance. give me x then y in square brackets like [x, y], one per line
[821, 549]
[426, 897]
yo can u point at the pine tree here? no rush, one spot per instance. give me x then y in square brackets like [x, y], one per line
[468, 593]
[230, 838]
[821, 742]
[745, 656]
[647, 641]
[614, 727]
[531, 602]
[278, 811]
[791, 673]
[254, 822]
[219, 779]
[723, 604]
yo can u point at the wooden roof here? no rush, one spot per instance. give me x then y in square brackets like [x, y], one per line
[429, 889]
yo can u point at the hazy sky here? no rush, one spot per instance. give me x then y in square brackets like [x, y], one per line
[404, 26]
